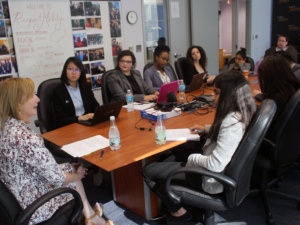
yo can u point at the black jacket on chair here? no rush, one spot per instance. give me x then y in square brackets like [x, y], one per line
[64, 110]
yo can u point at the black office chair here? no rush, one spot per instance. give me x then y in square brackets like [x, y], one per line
[12, 213]
[106, 96]
[180, 67]
[248, 60]
[279, 153]
[45, 114]
[237, 175]
[148, 65]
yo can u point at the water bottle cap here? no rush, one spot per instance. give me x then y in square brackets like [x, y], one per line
[128, 91]
[112, 117]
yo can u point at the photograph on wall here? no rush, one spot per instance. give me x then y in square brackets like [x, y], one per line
[97, 68]
[5, 9]
[4, 47]
[14, 64]
[10, 44]
[82, 55]
[2, 29]
[5, 65]
[78, 24]
[80, 40]
[3, 78]
[91, 8]
[96, 81]
[8, 28]
[87, 68]
[116, 44]
[114, 17]
[93, 23]
[95, 39]
[77, 9]
[96, 54]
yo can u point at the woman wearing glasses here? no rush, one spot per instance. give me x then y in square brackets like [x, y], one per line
[125, 78]
[73, 99]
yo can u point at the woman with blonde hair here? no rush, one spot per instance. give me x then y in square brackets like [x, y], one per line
[27, 167]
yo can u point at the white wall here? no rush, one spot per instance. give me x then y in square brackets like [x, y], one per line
[133, 34]
[205, 30]
[260, 28]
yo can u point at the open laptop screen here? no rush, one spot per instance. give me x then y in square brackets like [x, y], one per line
[165, 89]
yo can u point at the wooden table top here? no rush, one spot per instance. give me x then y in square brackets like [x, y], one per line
[135, 144]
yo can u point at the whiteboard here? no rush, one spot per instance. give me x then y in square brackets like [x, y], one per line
[42, 36]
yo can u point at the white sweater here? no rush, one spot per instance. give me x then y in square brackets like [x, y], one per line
[218, 154]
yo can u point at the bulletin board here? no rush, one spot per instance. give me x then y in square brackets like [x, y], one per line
[47, 32]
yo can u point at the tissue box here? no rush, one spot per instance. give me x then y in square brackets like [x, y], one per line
[152, 114]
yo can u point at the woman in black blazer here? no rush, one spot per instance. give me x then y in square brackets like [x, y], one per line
[73, 100]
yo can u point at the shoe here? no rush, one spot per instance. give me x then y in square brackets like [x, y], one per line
[98, 208]
[89, 222]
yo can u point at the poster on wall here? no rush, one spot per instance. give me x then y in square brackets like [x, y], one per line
[42, 33]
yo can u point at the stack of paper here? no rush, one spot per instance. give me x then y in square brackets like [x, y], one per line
[181, 135]
[141, 106]
[86, 146]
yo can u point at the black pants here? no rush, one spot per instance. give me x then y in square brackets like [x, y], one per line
[155, 175]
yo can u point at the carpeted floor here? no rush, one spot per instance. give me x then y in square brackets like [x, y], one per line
[251, 210]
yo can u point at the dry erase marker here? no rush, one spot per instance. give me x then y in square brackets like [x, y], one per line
[101, 155]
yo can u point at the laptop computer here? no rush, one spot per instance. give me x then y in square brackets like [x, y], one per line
[165, 89]
[103, 113]
[196, 82]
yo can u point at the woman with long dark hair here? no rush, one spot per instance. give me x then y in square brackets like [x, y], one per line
[277, 81]
[73, 99]
[235, 108]
[196, 62]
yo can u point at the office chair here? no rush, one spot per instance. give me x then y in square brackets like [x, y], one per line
[180, 67]
[279, 152]
[248, 60]
[45, 114]
[104, 89]
[12, 213]
[148, 65]
[237, 175]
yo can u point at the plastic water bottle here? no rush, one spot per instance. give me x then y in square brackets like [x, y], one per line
[181, 87]
[129, 100]
[114, 135]
[160, 131]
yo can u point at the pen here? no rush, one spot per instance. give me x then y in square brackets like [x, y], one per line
[101, 155]
[198, 131]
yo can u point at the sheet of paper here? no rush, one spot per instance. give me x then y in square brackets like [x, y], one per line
[181, 135]
[86, 146]
[141, 106]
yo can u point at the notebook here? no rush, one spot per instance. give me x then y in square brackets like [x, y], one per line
[103, 113]
[165, 89]
[196, 82]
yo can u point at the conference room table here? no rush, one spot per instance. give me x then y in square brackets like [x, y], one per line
[138, 147]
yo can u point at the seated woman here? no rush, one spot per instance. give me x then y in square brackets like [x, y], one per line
[125, 78]
[235, 107]
[240, 63]
[160, 73]
[73, 100]
[27, 168]
[277, 81]
[196, 62]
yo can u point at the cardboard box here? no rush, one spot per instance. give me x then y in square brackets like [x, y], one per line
[152, 114]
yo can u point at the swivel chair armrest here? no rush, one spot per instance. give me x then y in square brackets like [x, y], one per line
[39, 123]
[225, 180]
[269, 142]
[24, 217]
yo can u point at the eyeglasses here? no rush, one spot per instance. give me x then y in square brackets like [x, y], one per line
[72, 70]
[125, 61]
